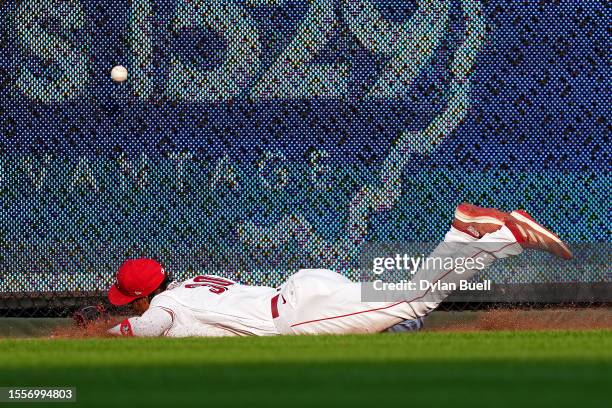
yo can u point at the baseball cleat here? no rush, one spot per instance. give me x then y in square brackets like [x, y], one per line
[530, 234]
[406, 326]
[477, 221]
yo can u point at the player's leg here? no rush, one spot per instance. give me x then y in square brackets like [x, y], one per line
[340, 309]
[317, 309]
[313, 305]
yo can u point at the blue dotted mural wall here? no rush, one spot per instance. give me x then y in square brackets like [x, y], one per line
[253, 138]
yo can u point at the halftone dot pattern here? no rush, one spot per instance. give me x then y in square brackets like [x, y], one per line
[254, 138]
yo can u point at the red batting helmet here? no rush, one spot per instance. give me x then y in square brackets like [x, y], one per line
[136, 278]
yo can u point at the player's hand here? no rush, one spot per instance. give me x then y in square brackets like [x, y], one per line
[88, 314]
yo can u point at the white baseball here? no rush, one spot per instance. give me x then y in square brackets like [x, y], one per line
[119, 73]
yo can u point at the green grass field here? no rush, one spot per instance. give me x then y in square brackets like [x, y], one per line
[479, 369]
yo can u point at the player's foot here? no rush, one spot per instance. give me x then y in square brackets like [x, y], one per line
[406, 326]
[532, 235]
[477, 221]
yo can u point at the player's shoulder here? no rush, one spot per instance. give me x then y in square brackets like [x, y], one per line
[176, 288]
[209, 279]
[218, 277]
[174, 284]
[164, 300]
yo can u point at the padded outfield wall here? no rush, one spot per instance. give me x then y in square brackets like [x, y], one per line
[254, 138]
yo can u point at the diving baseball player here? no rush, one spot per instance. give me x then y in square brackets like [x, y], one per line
[316, 301]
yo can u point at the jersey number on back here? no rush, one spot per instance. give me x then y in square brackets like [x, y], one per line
[217, 285]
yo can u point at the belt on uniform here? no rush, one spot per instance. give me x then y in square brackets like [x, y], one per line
[281, 325]
[274, 306]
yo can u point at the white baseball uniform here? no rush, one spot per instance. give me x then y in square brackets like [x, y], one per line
[312, 301]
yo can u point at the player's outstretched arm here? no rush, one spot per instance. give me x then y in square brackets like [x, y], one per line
[154, 322]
